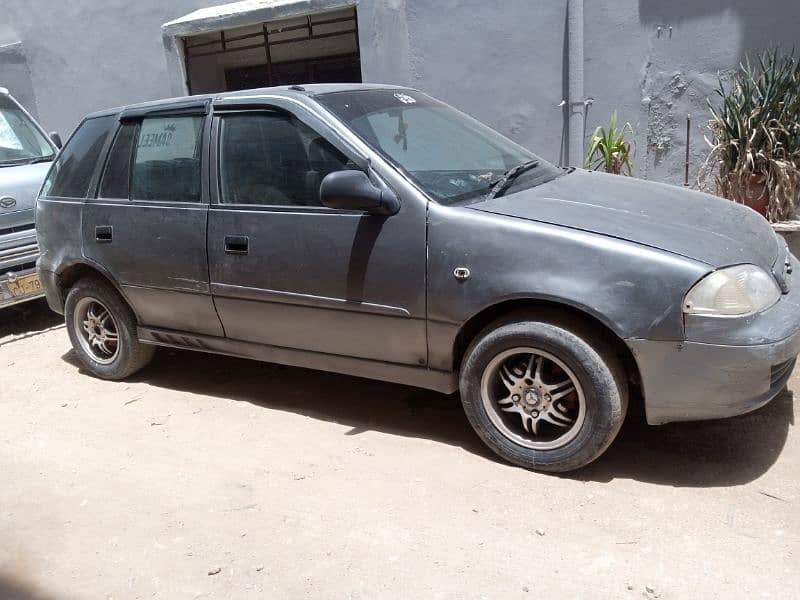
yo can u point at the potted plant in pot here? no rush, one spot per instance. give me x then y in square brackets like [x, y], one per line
[755, 136]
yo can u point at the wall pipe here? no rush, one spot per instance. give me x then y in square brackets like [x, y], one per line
[688, 134]
[576, 98]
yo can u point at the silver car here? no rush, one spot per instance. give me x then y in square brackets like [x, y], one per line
[26, 153]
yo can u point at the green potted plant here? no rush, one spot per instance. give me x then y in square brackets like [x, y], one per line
[609, 150]
[755, 136]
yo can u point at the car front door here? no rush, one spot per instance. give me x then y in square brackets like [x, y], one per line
[288, 272]
[147, 225]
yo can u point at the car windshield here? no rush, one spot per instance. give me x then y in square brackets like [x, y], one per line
[451, 156]
[21, 142]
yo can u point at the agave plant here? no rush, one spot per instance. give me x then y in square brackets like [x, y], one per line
[609, 150]
[755, 135]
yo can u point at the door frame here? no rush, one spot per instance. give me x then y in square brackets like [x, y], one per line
[154, 296]
[414, 209]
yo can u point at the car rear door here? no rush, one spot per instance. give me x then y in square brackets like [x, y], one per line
[147, 224]
[288, 272]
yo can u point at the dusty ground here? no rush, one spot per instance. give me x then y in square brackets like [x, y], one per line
[298, 484]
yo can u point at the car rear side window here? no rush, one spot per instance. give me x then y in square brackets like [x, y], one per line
[116, 176]
[166, 166]
[72, 171]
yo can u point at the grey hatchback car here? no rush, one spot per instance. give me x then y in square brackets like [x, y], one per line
[374, 231]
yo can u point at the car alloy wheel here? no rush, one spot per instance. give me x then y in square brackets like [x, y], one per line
[533, 398]
[97, 330]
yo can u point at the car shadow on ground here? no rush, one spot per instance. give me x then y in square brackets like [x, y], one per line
[27, 320]
[13, 588]
[712, 453]
[723, 452]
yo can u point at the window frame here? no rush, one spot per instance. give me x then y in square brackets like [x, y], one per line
[325, 132]
[193, 107]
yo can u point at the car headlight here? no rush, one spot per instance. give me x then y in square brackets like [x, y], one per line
[739, 290]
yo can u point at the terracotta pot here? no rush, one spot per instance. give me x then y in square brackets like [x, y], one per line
[751, 191]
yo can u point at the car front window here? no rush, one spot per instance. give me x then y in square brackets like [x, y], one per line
[452, 157]
[21, 141]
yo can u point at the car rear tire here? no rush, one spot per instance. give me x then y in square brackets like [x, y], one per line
[102, 329]
[544, 395]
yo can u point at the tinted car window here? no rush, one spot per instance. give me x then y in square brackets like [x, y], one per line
[167, 162]
[116, 176]
[72, 171]
[274, 159]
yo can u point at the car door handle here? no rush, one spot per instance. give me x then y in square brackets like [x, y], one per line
[237, 244]
[103, 234]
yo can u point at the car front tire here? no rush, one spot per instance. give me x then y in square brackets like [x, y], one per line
[102, 329]
[543, 394]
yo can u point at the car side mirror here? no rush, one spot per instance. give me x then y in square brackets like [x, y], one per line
[56, 139]
[352, 190]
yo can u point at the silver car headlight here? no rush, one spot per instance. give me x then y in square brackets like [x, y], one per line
[739, 290]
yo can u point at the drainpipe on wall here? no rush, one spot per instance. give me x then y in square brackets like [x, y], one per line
[576, 99]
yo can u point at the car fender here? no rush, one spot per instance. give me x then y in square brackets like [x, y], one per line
[636, 291]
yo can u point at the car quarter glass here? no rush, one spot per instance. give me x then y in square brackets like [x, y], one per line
[270, 158]
[117, 173]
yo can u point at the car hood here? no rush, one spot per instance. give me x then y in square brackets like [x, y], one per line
[692, 224]
[22, 183]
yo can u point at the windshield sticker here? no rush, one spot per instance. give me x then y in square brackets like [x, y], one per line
[405, 98]
[158, 139]
[162, 138]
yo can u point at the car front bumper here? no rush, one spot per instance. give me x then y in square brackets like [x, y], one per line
[726, 367]
[694, 381]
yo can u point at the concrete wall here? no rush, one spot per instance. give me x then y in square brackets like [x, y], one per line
[503, 66]
[628, 61]
[85, 55]
[504, 62]
[16, 75]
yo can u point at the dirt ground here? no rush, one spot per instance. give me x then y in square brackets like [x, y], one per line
[213, 477]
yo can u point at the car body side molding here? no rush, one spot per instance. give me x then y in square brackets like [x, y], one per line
[281, 297]
[439, 381]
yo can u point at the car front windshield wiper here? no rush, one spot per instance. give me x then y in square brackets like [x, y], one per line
[500, 186]
[26, 161]
[14, 163]
[41, 159]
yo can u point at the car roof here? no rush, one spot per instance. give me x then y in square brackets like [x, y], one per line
[289, 91]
